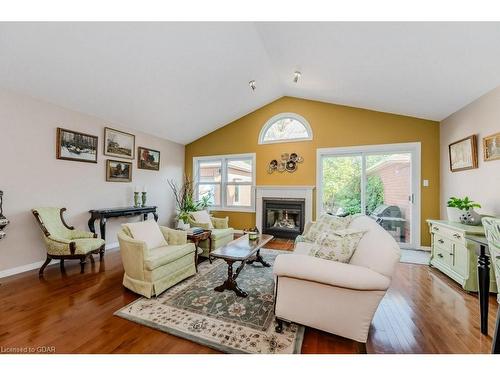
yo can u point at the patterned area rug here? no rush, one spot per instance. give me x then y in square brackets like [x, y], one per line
[223, 321]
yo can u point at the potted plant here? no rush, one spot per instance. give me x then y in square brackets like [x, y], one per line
[462, 210]
[184, 201]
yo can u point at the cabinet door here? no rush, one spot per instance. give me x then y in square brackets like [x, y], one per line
[460, 260]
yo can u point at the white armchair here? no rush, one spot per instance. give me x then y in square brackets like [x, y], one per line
[340, 298]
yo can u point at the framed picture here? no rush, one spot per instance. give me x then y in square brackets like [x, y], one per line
[118, 143]
[491, 147]
[148, 159]
[118, 171]
[463, 154]
[76, 146]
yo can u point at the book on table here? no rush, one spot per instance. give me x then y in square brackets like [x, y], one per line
[195, 230]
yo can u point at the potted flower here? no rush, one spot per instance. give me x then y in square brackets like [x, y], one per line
[462, 210]
[185, 203]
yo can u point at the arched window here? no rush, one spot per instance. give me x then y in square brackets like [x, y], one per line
[285, 127]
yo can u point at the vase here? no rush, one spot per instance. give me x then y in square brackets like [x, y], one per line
[470, 217]
[454, 214]
[136, 199]
[144, 199]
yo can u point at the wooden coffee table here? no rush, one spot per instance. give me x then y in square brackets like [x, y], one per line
[240, 250]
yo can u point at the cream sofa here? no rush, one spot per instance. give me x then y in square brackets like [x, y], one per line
[340, 298]
[151, 271]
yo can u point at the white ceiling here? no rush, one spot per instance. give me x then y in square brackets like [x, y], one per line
[183, 80]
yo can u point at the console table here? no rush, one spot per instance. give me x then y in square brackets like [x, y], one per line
[105, 213]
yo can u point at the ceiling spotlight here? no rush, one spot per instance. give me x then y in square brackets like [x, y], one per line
[296, 76]
[252, 85]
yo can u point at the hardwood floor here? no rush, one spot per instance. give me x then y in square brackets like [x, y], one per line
[423, 312]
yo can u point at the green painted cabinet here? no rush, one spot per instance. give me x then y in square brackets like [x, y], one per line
[454, 255]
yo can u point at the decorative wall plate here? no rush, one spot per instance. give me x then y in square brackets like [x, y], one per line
[288, 162]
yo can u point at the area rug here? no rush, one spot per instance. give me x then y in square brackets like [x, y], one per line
[223, 321]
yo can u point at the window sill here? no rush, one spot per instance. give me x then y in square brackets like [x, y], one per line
[232, 209]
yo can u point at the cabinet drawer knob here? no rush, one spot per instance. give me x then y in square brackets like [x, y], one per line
[456, 235]
[440, 255]
[441, 241]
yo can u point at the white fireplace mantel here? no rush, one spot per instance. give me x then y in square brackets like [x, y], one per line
[287, 192]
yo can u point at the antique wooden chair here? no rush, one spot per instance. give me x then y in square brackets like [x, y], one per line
[64, 241]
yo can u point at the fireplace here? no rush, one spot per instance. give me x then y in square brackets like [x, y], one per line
[283, 217]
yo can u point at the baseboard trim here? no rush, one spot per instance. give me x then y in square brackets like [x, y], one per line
[32, 266]
[425, 248]
[111, 245]
[24, 268]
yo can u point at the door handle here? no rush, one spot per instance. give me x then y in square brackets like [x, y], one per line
[411, 198]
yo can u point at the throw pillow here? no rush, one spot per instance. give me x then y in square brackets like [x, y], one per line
[147, 231]
[325, 224]
[338, 246]
[202, 217]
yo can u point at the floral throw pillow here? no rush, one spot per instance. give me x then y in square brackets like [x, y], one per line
[338, 246]
[327, 224]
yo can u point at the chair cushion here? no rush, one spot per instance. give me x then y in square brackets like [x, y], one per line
[338, 246]
[202, 217]
[167, 254]
[327, 223]
[147, 231]
[220, 233]
[86, 245]
[83, 246]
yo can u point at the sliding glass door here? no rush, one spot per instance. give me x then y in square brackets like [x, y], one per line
[379, 181]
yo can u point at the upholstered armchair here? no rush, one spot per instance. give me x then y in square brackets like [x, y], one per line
[492, 230]
[63, 241]
[340, 298]
[151, 271]
[221, 233]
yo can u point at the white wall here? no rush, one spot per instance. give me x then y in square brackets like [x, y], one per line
[31, 176]
[481, 117]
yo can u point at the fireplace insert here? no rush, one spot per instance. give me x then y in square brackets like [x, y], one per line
[283, 218]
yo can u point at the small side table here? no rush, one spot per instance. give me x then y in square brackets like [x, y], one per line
[196, 239]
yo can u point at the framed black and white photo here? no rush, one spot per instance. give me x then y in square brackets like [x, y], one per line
[148, 159]
[76, 146]
[118, 171]
[118, 144]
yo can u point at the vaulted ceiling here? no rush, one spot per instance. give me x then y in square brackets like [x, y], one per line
[181, 81]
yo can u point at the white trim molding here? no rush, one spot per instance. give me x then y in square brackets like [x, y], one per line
[414, 148]
[286, 191]
[280, 116]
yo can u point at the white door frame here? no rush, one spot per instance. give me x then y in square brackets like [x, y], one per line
[414, 148]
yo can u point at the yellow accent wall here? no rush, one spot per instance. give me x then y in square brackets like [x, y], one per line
[333, 126]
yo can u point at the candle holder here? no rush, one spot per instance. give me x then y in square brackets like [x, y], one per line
[136, 199]
[144, 194]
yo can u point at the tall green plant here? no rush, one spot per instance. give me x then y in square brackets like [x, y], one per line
[184, 198]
